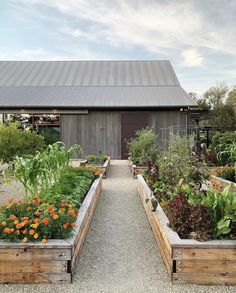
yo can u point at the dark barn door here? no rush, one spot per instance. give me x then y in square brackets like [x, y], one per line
[130, 123]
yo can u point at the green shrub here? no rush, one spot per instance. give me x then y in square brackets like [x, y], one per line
[143, 147]
[17, 142]
[220, 143]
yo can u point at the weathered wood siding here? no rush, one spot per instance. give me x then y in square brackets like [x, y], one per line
[97, 131]
[101, 130]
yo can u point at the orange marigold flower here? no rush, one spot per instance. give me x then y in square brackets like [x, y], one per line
[9, 230]
[17, 232]
[36, 236]
[45, 221]
[37, 213]
[36, 220]
[4, 223]
[65, 226]
[73, 225]
[24, 232]
[71, 212]
[12, 217]
[55, 217]
[31, 232]
[25, 239]
[44, 240]
[29, 208]
[18, 226]
[16, 222]
[24, 218]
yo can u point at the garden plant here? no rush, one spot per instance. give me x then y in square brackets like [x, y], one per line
[143, 147]
[54, 192]
[178, 178]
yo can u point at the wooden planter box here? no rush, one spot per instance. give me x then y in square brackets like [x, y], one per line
[104, 168]
[53, 262]
[136, 170]
[189, 261]
[219, 184]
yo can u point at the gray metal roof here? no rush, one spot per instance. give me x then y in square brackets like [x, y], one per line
[90, 84]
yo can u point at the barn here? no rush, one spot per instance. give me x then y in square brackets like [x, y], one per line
[100, 103]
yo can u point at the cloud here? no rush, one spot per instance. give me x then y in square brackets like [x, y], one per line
[155, 26]
[192, 57]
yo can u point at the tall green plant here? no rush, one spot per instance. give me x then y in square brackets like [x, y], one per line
[143, 147]
[38, 173]
[179, 165]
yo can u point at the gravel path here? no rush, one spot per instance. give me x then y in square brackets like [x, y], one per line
[120, 254]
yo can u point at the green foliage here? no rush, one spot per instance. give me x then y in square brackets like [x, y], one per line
[180, 166]
[224, 210]
[48, 215]
[221, 144]
[202, 103]
[38, 173]
[33, 219]
[72, 186]
[17, 142]
[143, 147]
[223, 116]
[95, 159]
[231, 99]
[216, 94]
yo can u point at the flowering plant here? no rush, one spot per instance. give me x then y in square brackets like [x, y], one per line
[31, 220]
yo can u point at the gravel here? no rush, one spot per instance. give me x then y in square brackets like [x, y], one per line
[120, 253]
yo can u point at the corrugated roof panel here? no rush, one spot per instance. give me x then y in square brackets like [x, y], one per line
[90, 84]
[87, 73]
[80, 97]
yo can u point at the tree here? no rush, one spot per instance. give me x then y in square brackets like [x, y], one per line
[202, 102]
[223, 116]
[215, 95]
[231, 100]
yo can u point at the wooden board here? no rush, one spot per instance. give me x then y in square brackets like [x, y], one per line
[225, 254]
[186, 260]
[33, 267]
[204, 279]
[53, 262]
[206, 266]
[162, 242]
[34, 278]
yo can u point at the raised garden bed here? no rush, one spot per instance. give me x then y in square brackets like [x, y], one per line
[54, 261]
[136, 170]
[104, 168]
[189, 261]
[219, 184]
